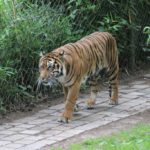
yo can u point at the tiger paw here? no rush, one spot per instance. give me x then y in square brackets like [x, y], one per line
[113, 102]
[90, 103]
[66, 117]
[63, 120]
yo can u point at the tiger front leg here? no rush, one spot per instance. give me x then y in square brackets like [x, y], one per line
[65, 90]
[70, 102]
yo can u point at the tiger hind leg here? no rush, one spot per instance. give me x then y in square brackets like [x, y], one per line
[113, 92]
[94, 91]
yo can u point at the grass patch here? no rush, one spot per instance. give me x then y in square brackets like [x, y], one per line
[137, 138]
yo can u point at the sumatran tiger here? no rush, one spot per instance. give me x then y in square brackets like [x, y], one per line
[89, 58]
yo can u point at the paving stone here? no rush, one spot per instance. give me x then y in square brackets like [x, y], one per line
[137, 93]
[130, 95]
[58, 113]
[89, 118]
[121, 115]
[38, 121]
[47, 111]
[26, 126]
[40, 129]
[25, 141]
[30, 132]
[92, 125]
[106, 113]
[49, 133]
[146, 90]
[73, 124]
[66, 134]
[26, 119]
[6, 126]
[124, 87]
[40, 114]
[122, 100]
[57, 138]
[3, 142]
[2, 136]
[37, 145]
[34, 137]
[7, 132]
[142, 86]
[61, 127]
[138, 82]
[30, 139]
[16, 129]
[111, 119]
[50, 118]
[127, 91]
[49, 125]
[123, 107]
[74, 131]
[2, 128]
[14, 137]
[5, 148]
[14, 124]
[58, 107]
[14, 145]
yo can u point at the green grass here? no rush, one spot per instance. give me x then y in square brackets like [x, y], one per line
[137, 138]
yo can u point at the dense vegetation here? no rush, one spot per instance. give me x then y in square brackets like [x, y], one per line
[29, 27]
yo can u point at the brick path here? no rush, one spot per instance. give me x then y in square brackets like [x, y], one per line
[42, 128]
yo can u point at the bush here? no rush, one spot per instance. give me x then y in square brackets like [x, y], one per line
[28, 31]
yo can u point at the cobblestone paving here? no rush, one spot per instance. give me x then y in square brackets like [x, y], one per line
[42, 128]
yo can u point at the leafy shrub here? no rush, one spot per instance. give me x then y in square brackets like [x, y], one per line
[28, 31]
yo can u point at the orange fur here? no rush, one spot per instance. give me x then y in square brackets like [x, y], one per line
[90, 56]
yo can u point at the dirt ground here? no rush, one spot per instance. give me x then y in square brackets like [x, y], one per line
[108, 129]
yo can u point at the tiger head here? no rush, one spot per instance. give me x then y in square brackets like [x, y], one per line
[50, 68]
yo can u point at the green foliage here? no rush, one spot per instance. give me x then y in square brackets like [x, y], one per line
[5, 75]
[27, 30]
[79, 12]
[113, 24]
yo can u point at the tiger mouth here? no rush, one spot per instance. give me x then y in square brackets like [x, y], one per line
[52, 82]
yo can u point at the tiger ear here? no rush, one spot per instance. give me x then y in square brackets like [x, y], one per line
[61, 54]
[42, 53]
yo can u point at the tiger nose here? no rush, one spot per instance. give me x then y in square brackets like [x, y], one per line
[42, 78]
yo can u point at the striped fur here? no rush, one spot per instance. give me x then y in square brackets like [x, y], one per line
[89, 58]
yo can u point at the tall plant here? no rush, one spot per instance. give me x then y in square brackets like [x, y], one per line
[27, 31]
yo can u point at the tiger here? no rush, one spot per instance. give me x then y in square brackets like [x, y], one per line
[86, 59]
